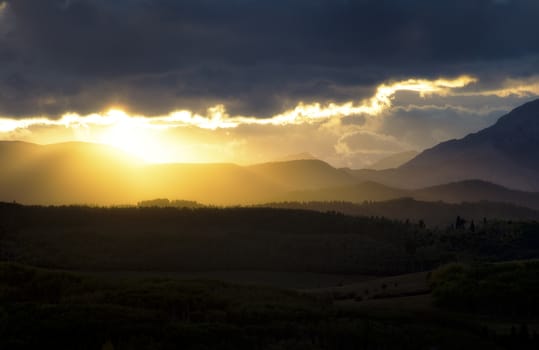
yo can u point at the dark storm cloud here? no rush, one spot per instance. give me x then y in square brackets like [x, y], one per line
[256, 57]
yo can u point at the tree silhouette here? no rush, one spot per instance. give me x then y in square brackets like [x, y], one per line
[459, 223]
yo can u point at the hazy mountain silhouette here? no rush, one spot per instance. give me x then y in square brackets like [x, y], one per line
[365, 191]
[302, 174]
[457, 192]
[66, 173]
[227, 184]
[507, 153]
[297, 156]
[477, 190]
[86, 173]
[393, 161]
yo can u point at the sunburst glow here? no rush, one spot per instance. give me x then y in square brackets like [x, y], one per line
[147, 137]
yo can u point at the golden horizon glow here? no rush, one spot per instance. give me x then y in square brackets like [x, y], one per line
[142, 136]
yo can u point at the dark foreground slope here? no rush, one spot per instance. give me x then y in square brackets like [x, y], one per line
[55, 310]
[105, 302]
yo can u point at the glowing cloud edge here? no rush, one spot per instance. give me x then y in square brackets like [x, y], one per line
[218, 118]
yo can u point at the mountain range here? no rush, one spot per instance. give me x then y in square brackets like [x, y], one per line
[84, 173]
[499, 163]
[456, 192]
[507, 154]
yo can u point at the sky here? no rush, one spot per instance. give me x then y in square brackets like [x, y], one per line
[246, 81]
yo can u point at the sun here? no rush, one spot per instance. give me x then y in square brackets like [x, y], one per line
[134, 136]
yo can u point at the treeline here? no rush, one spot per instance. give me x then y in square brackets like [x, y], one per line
[165, 203]
[172, 239]
[439, 214]
[202, 239]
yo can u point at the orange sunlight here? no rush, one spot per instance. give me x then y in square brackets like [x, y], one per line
[135, 138]
[186, 136]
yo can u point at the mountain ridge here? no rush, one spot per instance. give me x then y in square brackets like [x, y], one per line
[85, 173]
[393, 161]
[504, 153]
[481, 166]
[455, 192]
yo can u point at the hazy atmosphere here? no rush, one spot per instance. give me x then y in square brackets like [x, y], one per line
[269, 174]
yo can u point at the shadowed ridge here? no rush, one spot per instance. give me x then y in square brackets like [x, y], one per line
[393, 161]
[66, 173]
[95, 151]
[515, 135]
[302, 174]
[455, 192]
[477, 190]
[297, 156]
[365, 191]
[505, 154]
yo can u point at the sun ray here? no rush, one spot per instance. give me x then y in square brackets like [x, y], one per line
[143, 136]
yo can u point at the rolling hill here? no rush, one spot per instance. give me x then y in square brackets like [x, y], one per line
[365, 191]
[302, 174]
[66, 173]
[83, 173]
[477, 190]
[457, 192]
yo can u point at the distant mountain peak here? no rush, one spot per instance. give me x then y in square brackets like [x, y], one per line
[393, 161]
[506, 153]
[526, 113]
[297, 156]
